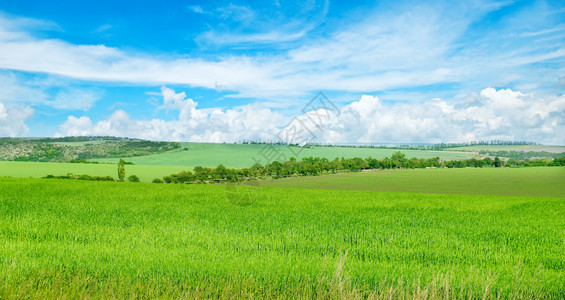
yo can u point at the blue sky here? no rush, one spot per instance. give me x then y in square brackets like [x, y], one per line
[432, 71]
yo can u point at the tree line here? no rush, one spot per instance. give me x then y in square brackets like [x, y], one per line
[522, 155]
[438, 146]
[314, 166]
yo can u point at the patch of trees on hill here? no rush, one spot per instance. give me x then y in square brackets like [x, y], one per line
[59, 149]
[311, 166]
[522, 155]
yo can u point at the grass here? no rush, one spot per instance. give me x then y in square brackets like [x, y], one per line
[532, 181]
[41, 169]
[242, 156]
[76, 239]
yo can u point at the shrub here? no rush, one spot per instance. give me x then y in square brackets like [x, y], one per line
[106, 178]
[85, 177]
[133, 178]
[157, 180]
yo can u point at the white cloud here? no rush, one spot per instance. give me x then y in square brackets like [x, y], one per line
[104, 28]
[247, 28]
[77, 126]
[239, 13]
[74, 99]
[193, 124]
[39, 90]
[12, 120]
[403, 47]
[492, 114]
[196, 9]
[172, 100]
[15, 91]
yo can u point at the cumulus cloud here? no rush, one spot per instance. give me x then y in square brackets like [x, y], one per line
[491, 114]
[77, 126]
[12, 120]
[193, 124]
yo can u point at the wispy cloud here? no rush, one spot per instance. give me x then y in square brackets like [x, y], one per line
[403, 47]
[237, 13]
[103, 28]
[18, 89]
[197, 9]
[242, 25]
[75, 99]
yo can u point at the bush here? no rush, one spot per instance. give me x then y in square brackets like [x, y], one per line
[157, 180]
[106, 178]
[133, 178]
[81, 177]
[85, 177]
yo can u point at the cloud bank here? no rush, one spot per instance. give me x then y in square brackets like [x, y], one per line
[192, 124]
[491, 114]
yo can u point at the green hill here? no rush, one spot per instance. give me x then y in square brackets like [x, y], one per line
[245, 155]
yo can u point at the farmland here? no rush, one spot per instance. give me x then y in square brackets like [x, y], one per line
[536, 181]
[63, 238]
[242, 155]
[551, 149]
[158, 165]
[394, 233]
[41, 169]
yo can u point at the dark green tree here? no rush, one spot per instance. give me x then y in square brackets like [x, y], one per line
[121, 170]
[220, 172]
[497, 162]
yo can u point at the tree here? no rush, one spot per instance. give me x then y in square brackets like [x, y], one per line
[497, 162]
[220, 172]
[121, 170]
[399, 159]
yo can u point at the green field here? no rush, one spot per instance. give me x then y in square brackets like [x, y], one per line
[80, 239]
[535, 148]
[42, 169]
[242, 155]
[533, 181]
